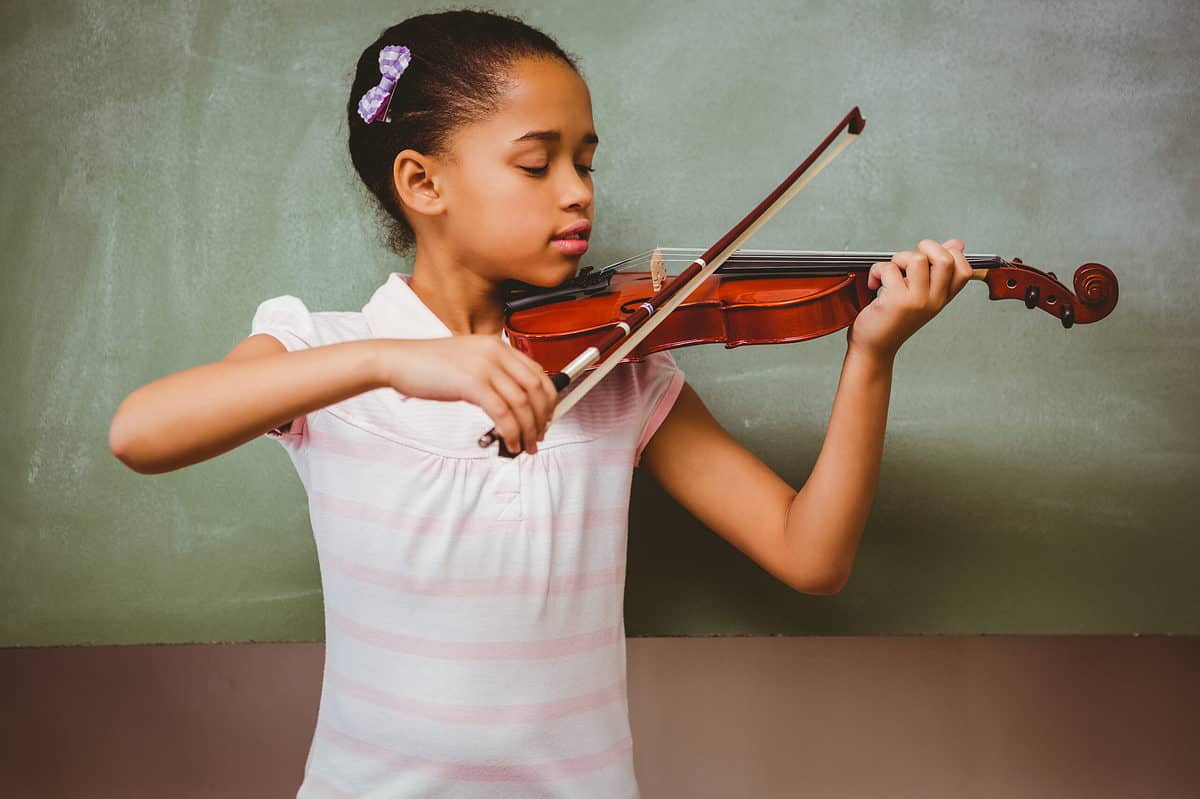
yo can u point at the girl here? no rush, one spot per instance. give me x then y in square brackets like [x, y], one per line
[473, 605]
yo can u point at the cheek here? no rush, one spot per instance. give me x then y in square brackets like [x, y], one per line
[511, 207]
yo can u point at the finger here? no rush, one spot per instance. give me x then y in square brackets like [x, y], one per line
[962, 267]
[545, 384]
[525, 371]
[875, 275]
[501, 414]
[518, 401]
[941, 270]
[916, 271]
[873, 281]
[890, 279]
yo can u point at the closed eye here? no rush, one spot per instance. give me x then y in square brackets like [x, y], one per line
[541, 170]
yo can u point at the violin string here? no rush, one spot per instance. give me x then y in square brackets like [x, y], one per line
[777, 259]
[630, 259]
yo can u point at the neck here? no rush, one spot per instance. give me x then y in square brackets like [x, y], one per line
[465, 302]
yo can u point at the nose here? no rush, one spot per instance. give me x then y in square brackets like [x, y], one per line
[577, 192]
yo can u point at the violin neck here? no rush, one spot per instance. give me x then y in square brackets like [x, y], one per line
[813, 262]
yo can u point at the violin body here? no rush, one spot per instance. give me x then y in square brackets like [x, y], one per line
[732, 310]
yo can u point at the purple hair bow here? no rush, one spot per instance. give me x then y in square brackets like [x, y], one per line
[393, 60]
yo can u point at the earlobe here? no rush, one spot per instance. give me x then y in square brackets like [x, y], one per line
[416, 184]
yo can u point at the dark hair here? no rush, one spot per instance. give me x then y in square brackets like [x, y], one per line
[457, 75]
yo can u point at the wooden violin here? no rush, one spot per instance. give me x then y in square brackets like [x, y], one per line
[582, 329]
[762, 297]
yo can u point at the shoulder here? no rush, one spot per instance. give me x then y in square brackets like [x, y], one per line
[647, 382]
[655, 369]
[627, 406]
[290, 320]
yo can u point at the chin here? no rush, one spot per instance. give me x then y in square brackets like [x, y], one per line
[552, 276]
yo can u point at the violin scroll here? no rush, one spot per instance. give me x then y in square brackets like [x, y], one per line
[1094, 297]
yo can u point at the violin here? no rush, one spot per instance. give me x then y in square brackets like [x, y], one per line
[763, 297]
[580, 330]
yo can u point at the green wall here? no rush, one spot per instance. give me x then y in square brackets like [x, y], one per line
[165, 167]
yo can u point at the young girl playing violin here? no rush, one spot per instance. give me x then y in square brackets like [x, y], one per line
[473, 604]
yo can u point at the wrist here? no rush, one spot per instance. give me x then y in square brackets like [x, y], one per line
[871, 358]
[379, 361]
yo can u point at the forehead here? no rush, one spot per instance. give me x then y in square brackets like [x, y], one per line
[542, 94]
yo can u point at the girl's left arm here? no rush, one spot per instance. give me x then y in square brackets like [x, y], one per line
[808, 538]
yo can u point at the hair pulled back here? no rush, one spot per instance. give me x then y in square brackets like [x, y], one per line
[457, 75]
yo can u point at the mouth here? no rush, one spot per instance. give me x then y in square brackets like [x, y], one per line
[579, 230]
[573, 239]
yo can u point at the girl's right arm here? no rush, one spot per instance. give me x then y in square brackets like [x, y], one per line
[199, 413]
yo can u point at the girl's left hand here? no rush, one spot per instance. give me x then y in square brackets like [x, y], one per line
[915, 286]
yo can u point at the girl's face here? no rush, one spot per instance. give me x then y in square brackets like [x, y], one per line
[519, 179]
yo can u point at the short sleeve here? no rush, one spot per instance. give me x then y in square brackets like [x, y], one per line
[659, 383]
[287, 319]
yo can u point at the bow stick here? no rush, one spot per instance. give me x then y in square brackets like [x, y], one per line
[640, 322]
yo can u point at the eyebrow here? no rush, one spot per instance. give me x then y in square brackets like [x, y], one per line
[554, 135]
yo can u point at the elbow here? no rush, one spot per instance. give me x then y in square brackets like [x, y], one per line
[832, 586]
[820, 582]
[122, 442]
[119, 443]
[825, 588]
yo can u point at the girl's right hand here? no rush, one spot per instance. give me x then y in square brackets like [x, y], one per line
[506, 384]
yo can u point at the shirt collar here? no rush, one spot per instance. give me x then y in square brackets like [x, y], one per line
[395, 311]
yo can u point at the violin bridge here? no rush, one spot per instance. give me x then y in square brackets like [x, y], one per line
[658, 270]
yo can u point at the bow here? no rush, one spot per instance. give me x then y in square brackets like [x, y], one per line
[640, 322]
[374, 105]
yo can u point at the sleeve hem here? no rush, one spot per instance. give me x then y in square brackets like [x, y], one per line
[288, 321]
[294, 434]
[665, 403]
[296, 429]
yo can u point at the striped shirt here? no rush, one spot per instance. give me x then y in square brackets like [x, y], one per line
[475, 641]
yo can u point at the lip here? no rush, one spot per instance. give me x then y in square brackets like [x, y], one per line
[583, 227]
[570, 247]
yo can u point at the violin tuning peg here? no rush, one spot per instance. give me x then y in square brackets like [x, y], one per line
[1068, 316]
[1032, 295]
[1052, 276]
[1017, 261]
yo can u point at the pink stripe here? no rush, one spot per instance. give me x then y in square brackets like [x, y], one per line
[480, 714]
[660, 412]
[472, 524]
[468, 772]
[477, 650]
[385, 451]
[516, 585]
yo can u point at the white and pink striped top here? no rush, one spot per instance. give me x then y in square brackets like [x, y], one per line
[475, 642]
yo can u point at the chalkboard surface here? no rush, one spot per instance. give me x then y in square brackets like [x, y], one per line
[166, 167]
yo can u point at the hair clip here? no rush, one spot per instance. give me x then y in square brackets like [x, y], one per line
[374, 105]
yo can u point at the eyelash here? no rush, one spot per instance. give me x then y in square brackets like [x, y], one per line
[541, 170]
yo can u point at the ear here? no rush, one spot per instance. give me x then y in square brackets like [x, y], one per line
[415, 178]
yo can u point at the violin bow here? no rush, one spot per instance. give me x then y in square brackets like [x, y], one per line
[641, 321]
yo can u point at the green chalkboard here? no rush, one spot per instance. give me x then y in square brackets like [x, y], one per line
[166, 167]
